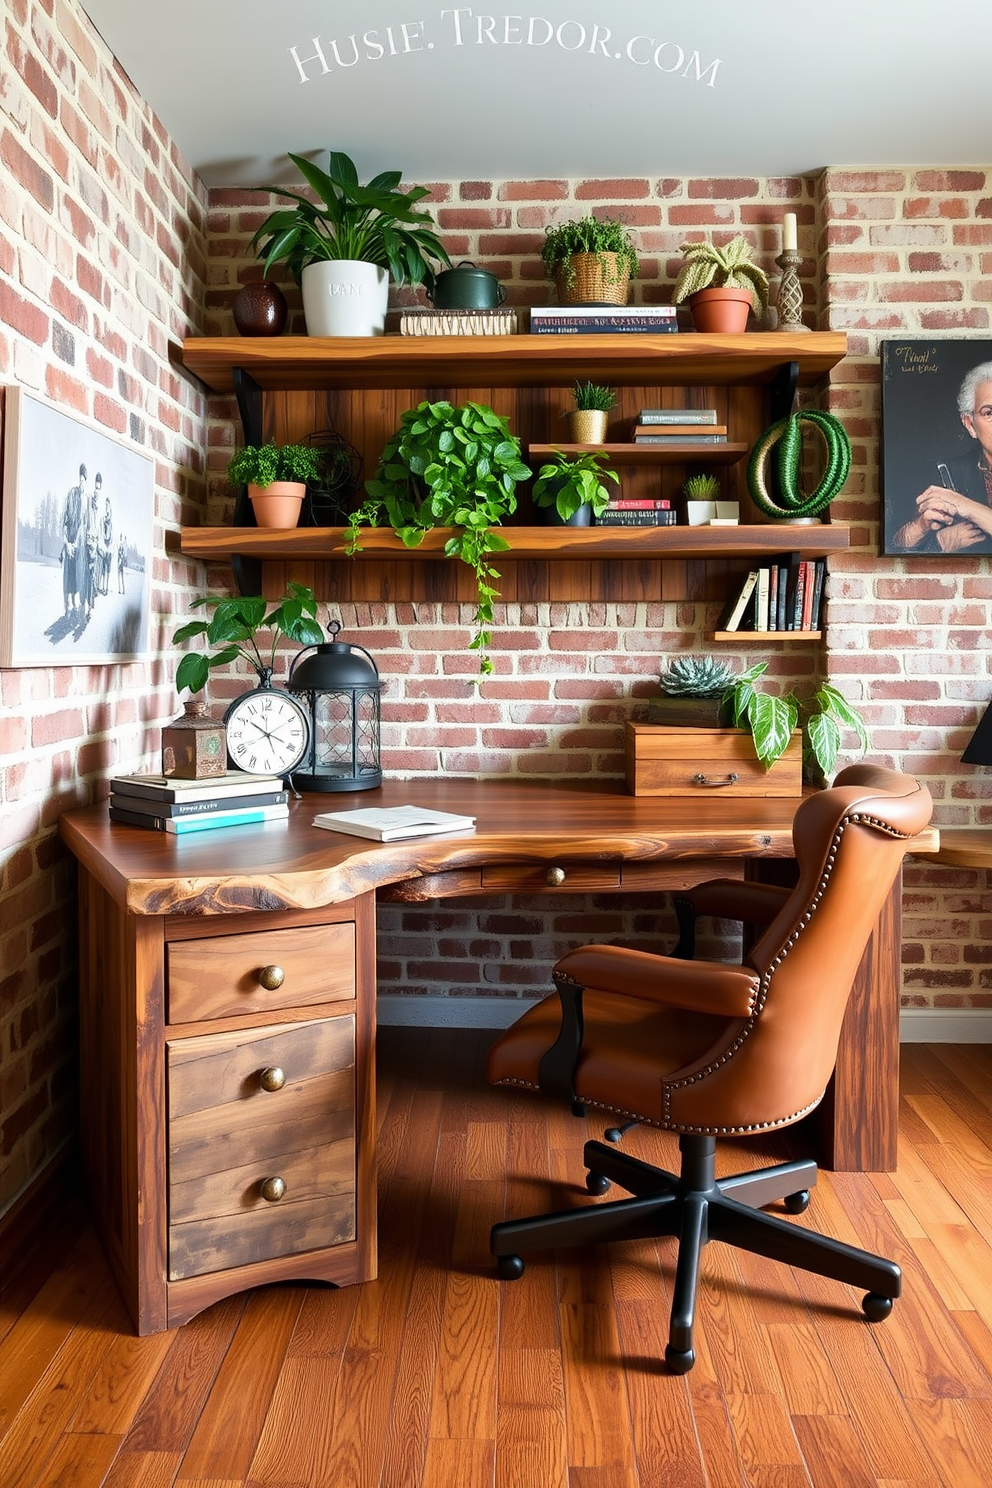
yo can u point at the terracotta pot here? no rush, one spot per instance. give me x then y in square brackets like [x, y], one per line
[277, 505]
[588, 425]
[724, 310]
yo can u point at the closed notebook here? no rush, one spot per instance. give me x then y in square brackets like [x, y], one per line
[392, 823]
[146, 806]
[181, 826]
[171, 788]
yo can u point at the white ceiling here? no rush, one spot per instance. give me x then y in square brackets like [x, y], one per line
[561, 88]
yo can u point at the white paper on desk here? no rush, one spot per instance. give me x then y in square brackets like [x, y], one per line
[391, 823]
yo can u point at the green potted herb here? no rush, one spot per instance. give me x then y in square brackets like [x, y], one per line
[276, 476]
[342, 247]
[771, 721]
[587, 420]
[569, 488]
[449, 467]
[590, 261]
[722, 285]
[233, 629]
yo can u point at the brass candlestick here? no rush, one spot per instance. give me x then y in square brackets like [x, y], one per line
[790, 292]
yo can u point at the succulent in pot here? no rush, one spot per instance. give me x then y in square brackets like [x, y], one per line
[722, 285]
[692, 692]
[570, 490]
[343, 246]
[276, 476]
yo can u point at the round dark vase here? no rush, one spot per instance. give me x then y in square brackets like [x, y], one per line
[580, 518]
[260, 309]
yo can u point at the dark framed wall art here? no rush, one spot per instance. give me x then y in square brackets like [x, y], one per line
[937, 447]
[75, 553]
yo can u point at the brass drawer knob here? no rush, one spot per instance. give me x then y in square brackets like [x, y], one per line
[271, 978]
[273, 1078]
[272, 1189]
[554, 877]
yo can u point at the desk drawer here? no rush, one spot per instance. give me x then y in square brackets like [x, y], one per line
[546, 878]
[223, 976]
[706, 762]
[229, 1134]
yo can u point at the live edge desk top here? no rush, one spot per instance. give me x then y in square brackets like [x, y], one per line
[528, 835]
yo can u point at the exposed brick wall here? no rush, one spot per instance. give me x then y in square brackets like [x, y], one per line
[102, 263]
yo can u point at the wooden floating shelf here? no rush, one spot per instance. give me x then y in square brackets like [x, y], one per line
[648, 454]
[767, 635]
[310, 363]
[567, 543]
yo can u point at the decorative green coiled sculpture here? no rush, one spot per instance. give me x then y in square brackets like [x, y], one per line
[786, 437]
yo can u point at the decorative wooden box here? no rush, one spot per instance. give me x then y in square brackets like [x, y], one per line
[689, 761]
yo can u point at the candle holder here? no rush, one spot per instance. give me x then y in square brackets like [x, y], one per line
[790, 293]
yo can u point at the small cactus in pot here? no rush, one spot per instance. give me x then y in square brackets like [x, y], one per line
[692, 688]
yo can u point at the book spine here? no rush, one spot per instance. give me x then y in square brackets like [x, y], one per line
[676, 431]
[183, 825]
[680, 439]
[761, 610]
[677, 416]
[601, 311]
[555, 328]
[735, 617]
[199, 808]
[807, 595]
[201, 791]
[637, 503]
[819, 581]
[636, 519]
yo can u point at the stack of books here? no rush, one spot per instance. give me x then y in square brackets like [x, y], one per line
[164, 804]
[637, 512]
[785, 594]
[603, 320]
[679, 426]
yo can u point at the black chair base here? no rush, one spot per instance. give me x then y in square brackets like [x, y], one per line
[696, 1207]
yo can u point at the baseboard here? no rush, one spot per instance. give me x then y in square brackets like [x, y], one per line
[945, 1026]
[38, 1211]
[916, 1025]
[397, 1011]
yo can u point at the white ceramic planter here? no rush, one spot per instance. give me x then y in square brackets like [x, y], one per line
[345, 297]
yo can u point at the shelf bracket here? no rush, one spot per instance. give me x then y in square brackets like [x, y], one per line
[783, 391]
[247, 571]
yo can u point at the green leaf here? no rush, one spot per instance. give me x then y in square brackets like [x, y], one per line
[823, 734]
[771, 720]
[192, 673]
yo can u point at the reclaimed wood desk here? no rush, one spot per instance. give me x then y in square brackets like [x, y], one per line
[227, 1024]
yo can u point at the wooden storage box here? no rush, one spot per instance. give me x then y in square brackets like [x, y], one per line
[694, 761]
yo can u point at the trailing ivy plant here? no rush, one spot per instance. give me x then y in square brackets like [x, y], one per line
[233, 628]
[772, 720]
[454, 467]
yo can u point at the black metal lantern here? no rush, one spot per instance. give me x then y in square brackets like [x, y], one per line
[339, 686]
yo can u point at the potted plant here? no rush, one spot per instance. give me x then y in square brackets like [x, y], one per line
[569, 488]
[722, 285]
[587, 420]
[589, 261]
[771, 721]
[692, 693]
[342, 248]
[276, 476]
[233, 628]
[449, 467]
[701, 492]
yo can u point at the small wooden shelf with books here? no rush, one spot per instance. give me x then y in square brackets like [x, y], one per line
[766, 635]
[649, 454]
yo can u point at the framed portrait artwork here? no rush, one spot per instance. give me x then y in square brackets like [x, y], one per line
[937, 447]
[75, 551]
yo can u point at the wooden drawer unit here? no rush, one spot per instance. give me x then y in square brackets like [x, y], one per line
[704, 761]
[261, 1152]
[255, 973]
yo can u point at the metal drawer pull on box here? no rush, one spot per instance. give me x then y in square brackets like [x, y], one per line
[273, 1078]
[554, 877]
[272, 1189]
[714, 784]
[271, 978]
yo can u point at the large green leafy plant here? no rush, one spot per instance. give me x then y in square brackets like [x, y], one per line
[233, 628]
[771, 721]
[455, 467]
[706, 266]
[377, 223]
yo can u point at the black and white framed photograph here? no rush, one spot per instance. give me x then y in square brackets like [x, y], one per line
[937, 447]
[78, 506]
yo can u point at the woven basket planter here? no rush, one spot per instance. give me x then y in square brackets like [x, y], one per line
[592, 278]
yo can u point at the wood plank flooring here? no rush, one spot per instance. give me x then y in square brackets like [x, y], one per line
[439, 1376]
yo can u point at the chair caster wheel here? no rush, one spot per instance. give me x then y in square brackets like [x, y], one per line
[596, 1183]
[679, 1361]
[613, 1134]
[875, 1307]
[510, 1267]
[797, 1203]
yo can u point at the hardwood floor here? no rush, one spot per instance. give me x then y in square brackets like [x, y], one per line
[440, 1376]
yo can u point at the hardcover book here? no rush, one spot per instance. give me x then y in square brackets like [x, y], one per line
[678, 416]
[148, 807]
[181, 826]
[393, 823]
[171, 788]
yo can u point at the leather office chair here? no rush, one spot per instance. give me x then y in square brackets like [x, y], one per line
[711, 1050]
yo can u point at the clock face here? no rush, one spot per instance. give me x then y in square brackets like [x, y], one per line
[268, 732]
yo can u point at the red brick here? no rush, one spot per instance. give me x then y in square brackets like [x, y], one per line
[26, 171]
[474, 218]
[722, 189]
[543, 191]
[597, 190]
[23, 316]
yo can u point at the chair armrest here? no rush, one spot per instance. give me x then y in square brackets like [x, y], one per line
[699, 986]
[730, 899]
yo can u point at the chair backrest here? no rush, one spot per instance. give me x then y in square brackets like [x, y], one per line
[849, 842]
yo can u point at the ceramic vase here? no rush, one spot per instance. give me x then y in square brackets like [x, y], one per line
[345, 297]
[260, 309]
[723, 310]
